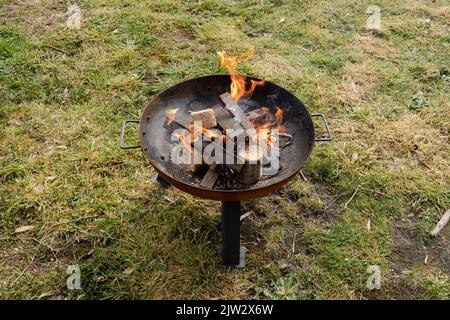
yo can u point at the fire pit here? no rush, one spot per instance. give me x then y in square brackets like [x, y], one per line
[199, 138]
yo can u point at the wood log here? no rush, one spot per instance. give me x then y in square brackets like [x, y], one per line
[252, 169]
[259, 117]
[210, 178]
[198, 149]
[224, 118]
[226, 121]
[179, 116]
[238, 113]
[237, 167]
[207, 118]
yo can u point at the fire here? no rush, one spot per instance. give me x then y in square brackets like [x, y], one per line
[238, 82]
[186, 143]
[279, 119]
[264, 129]
[207, 133]
[171, 116]
[271, 123]
[264, 135]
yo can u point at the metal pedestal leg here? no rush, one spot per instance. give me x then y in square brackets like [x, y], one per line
[159, 180]
[232, 254]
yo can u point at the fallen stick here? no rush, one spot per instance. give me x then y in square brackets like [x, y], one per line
[441, 224]
[335, 199]
[26, 267]
[351, 198]
[303, 176]
[293, 242]
[378, 192]
[58, 49]
[73, 220]
[245, 215]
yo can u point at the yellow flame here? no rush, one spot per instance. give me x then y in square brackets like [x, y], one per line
[230, 62]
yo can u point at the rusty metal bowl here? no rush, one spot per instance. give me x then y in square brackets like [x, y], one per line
[203, 92]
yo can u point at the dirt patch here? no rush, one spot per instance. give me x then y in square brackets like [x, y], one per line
[260, 229]
[251, 233]
[36, 17]
[407, 251]
[395, 288]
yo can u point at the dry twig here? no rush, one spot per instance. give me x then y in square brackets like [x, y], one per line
[441, 224]
[351, 198]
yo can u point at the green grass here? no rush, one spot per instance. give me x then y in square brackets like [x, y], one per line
[64, 94]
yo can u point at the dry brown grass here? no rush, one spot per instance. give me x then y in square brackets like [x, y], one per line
[357, 81]
[385, 95]
[36, 16]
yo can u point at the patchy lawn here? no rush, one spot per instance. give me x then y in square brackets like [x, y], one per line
[64, 94]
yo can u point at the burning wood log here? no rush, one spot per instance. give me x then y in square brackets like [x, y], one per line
[217, 148]
[234, 108]
[252, 169]
[207, 118]
[193, 151]
[195, 166]
[224, 118]
[211, 176]
[259, 117]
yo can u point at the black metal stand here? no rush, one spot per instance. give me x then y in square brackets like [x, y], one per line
[232, 254]
[159, 180]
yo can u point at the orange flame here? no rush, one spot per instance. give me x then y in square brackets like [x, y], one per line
[264, 134]
[238, 82]
[264, 129]
[279, 119]
[187, 144]
[207, 133]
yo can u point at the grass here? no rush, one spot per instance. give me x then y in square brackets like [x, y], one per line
[64, 94]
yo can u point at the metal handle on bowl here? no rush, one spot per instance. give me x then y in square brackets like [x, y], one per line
[329, 136]
[124, 124]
